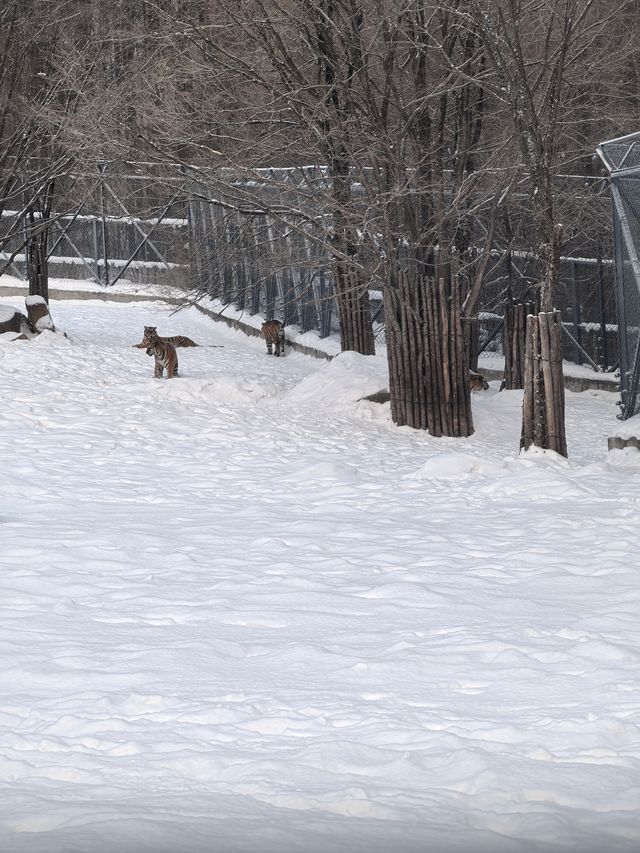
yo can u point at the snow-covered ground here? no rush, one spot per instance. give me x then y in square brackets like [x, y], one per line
[243, 612]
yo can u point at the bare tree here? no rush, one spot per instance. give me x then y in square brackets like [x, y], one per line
[531, 52]
[302, 66]
[35, 106]
[362, 87]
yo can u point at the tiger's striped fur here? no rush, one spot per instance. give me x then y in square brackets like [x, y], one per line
[166, 358]
[151, 336]
[273, 333]
[477, 382]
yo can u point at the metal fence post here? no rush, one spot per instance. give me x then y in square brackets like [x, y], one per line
[603, 306]
[577, 327]
[103, 219]
[623, 354]
[96, 256]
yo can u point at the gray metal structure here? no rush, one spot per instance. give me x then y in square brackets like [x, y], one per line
[107, 227]
[258, 258]
[622, 159]
[260, 242]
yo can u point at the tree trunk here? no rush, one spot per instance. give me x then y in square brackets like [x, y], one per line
[351, 287]
[551, 265]
[543, 422]
[37, 264]
[38, 242]
[351, 291]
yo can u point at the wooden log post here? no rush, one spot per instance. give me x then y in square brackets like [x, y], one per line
[470, 328]
[543, 422]
[514, 342]
[37, 223]
[354, 309]
[528, 408]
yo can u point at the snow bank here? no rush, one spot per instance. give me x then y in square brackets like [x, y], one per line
[342, 382]
[323, 471]
[625, 457]
[82, 285]
[48, 338]
[219, 390]
[529, 466]
[534, 484]
[453, 466]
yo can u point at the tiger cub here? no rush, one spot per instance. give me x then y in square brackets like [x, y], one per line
[166, 358]
[273, 333]
[151, 336]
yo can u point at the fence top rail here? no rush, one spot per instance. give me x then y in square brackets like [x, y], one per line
[621, 154]
[170, 171]
[176, 172]
[173, 221]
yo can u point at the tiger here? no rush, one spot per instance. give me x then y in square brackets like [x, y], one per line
[151, 336]
[273, 333]
[165, 356]
[477, 382]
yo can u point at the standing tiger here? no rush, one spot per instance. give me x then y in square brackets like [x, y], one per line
[151, 336]
[273, 333]
[166, 358]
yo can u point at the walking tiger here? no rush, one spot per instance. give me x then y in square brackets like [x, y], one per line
[166, 358]
[273, 333]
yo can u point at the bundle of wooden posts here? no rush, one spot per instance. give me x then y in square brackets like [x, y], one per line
[354, 311]
[514, 339]
[471, 331]
[429, 376]
[543, 405]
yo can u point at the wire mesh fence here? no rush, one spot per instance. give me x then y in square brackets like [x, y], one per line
[622, 158]
[106, 226]
[154, 224]
[260, 263]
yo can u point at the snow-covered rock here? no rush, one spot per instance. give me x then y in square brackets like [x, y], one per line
[39, 314]
[11, 319]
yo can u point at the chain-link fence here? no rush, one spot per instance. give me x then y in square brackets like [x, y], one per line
[247, 256]
[622, 159]
[121, 222]
[227, 238]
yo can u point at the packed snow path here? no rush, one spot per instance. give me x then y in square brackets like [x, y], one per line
[242, 612]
